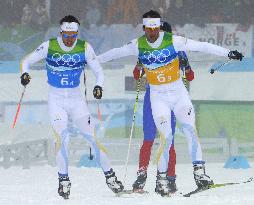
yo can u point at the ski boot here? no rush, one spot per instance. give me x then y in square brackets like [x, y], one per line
[64, 187]
[172, 184]
[140, 182]
[202, 180]
[112, 182]
[162, 184]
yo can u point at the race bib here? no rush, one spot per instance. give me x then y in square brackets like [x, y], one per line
[163, 75]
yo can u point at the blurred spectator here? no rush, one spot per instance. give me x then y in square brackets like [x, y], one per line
[212, 16]
[199, 12]
[176, 13]
[42, 14]
[245, 19]
[39, 15]
[92, 13]
[160, 6]
[11, 11]
[123, 12]
[61, 8]
[27, 15]
[179, 4]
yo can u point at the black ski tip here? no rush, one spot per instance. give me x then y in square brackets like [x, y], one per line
[249, 180]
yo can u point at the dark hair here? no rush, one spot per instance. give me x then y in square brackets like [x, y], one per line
[151, 14]
[69, 19]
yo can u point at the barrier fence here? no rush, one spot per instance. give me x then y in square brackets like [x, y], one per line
[41, 152]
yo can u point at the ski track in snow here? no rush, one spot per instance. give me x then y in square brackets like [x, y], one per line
[38, 185]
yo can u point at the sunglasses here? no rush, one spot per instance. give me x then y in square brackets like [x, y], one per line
[70, 36]
[152, 28]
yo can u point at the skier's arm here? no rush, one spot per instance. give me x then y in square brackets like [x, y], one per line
[128, 49]
[185, 44]
[94, 64]
[37, 55]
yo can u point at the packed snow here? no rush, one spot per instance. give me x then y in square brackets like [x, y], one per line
[38, 185]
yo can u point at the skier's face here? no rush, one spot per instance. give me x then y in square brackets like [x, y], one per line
[152, 34]
[69, 37]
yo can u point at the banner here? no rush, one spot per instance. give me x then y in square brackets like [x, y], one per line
[230, 36]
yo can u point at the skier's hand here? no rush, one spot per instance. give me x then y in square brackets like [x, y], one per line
[136, 71]
[25, 79]
[189, 74]
[97, 92]
[184, 62]
[235, 55]
[165, 26]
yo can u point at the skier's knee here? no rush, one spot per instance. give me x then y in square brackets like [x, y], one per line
[163, 124]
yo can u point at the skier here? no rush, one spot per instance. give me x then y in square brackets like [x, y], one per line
[149, 128]
[158, 54]
[66, 57]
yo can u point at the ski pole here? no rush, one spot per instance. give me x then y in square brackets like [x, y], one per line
[90, 153]
[18, 108]
[218, 68]
[99, 112]
[90, 149]
[132, 125]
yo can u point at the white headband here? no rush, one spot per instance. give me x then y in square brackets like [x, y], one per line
[152, 22]
[66, 26]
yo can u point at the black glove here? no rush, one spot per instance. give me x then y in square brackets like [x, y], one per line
[97, 92]
[25, 79]
[165, 26]
[183, 62]
[235, 55]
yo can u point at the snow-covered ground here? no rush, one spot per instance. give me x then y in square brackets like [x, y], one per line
[38, 186]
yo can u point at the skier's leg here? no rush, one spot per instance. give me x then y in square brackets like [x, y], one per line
[162, 117]
[185, 113]
[163, 124]
[149, 130]
[172, 159]
[59, 120]
[86, 127]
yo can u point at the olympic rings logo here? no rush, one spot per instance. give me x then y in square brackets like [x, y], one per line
[157, 55]
[66, 59]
